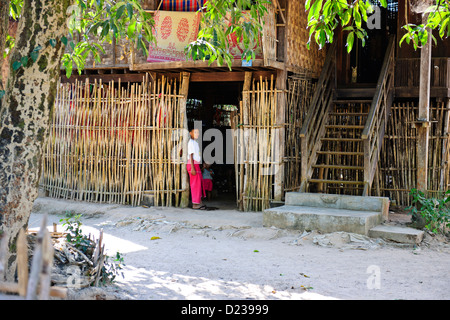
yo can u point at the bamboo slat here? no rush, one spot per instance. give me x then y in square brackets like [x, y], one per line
[111, 142]
[300, 92]
[396, 174]
[255, 144]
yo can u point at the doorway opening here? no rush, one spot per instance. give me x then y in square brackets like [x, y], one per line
[211, 107]
[361, 68]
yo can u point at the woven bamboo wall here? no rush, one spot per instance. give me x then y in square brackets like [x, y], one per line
[110, 143]
[397, 165]
[299, 58]
[269, 34]
[255, 154]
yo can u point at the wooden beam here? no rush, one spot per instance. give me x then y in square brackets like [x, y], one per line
[22, 263]
[126, 77]
[424, 114]
[445, 145]
[227, 76]
[413, 92]
[190, 64]
[244, 142]
[184, 175]
[281, 105]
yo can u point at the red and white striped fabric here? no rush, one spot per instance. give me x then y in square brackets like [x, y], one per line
[182, 5]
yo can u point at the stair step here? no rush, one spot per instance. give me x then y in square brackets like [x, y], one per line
[332, 166]
[356, 93]
[321, 219]
[348, 101]
[328, 212]
[343, 126]
[344, 153]
[356, 114]
[334, 181]
[346, 187]
[397, 234]
[342, 139]
[338, 201]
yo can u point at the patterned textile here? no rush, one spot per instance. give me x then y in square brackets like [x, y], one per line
[173, 32]
[182, 5]
[236, 49]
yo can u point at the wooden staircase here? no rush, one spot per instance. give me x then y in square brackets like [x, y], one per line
[339, 168]
[341, 138]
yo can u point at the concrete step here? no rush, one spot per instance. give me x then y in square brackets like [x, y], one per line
[338, 201]
[397, 234]
[328, 213]
[322, 219]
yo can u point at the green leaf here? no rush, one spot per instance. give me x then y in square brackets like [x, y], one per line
[307, 4]
[119, 12]
[130, 10]
[350, 40]
[64, 40]
[68, 68]
[16, 65]
[52, 42]
[34, 56]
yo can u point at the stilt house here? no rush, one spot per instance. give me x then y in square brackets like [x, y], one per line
[294, 119]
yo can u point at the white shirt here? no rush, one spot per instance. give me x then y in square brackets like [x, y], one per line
[193, 148]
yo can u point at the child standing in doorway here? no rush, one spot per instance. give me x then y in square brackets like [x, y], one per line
[193, 168]
[207, 179]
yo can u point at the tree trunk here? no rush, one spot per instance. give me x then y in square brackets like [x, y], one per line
[25, 114]
[4, 23]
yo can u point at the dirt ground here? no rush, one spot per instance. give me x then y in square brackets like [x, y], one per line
[226, 254]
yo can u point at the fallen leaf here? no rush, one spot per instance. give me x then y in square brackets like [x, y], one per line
[155, 238]
[302, 274]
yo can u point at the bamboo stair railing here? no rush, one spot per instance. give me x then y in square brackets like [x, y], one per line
[342, 139]
[377, 120]
[313, 128]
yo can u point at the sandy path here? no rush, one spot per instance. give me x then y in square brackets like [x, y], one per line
[226, 254]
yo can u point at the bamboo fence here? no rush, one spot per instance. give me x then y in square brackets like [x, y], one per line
[397, 165]
[114, 143]
[300, 92]
[256, 143]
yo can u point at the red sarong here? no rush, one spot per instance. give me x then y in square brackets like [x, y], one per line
[196, 183]
[207, 184]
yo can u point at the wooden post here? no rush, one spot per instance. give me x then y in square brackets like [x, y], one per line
[37, 263]
[281, 105]
[184, 175]
[244, 142]
[424, 114]
[445, 146]
[22, 263]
